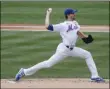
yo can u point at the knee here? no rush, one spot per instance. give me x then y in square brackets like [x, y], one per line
[48, 64]
[87, 54]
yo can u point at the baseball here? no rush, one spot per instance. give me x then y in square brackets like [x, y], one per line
[50, 9]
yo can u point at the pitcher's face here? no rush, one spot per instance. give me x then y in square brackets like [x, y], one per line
[71, 17]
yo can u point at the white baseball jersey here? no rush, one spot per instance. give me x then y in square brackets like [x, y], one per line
[68, 31]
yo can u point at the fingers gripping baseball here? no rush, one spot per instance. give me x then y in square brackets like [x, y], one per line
[49, 10]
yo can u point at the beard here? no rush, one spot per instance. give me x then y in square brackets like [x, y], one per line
[73, 18]
[70, 18]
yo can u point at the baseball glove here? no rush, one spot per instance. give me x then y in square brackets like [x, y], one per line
[87, 40]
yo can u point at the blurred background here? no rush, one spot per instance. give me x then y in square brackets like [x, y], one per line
[33, 12]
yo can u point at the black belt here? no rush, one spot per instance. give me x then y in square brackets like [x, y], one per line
[71, 48]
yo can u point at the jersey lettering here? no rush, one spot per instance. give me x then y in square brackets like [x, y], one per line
[70, 28]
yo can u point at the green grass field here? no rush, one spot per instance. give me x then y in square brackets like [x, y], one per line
[24, 49]
[33, 12]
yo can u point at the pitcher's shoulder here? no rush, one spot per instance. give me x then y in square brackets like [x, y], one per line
[76, 22]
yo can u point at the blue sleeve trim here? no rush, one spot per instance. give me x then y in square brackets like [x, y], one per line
[50, 27]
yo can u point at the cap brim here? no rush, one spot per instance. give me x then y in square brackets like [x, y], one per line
[75, 11]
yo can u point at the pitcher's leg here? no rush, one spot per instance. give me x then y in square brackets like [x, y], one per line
[79, 52]
[57, 57]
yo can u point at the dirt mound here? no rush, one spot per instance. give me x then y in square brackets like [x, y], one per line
[53, 83]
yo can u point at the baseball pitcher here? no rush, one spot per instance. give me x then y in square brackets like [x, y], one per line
[69, 31]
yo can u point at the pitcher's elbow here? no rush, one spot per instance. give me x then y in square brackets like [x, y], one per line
[50, 27]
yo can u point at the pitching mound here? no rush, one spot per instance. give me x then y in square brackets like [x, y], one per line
[53, 83]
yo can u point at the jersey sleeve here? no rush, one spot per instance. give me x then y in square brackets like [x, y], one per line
[57, 27]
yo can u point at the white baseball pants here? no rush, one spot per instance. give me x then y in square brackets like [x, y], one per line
[62, 52]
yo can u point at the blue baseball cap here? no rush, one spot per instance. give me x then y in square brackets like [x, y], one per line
[69, 11]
